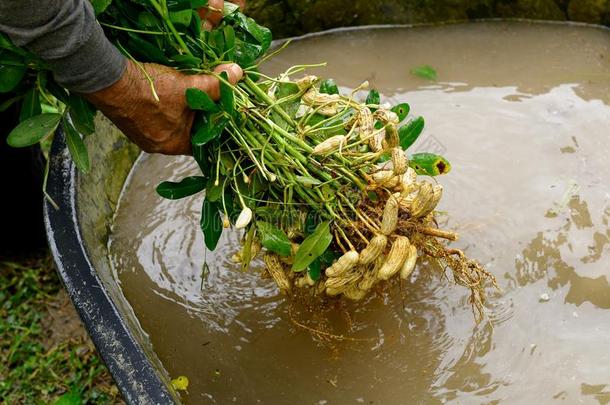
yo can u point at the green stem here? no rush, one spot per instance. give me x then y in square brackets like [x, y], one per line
[165, 15]
[262, 96]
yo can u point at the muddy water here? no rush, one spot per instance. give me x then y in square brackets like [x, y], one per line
[523, 113]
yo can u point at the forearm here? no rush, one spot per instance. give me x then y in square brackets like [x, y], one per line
[65, 34]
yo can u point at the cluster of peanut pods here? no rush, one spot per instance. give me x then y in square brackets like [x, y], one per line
[386, 239]
[389, 253]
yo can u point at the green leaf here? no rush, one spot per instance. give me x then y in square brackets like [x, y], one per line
[425, 72]
[146, 51]
[227, 98]
[216, 39]
[402, 110]
[409, 132]
[310, 222]
[196, 23]
[182, 17]
[5, 42]
[274, 238]
[184, 188]
[229, 34]
[329, 86]
[57, 91]
[211, 224]
[82, 114]
[429, 164]
[69, 398]
[213, 192]
[373, 99]
[329, 257]
[315, 269]
[100, 5]
[195, 4]
[209, 132]
[284, 90]
[31, 105]
[10, 77]
[76, 146]
[312, 247]
[32, 130]
[246, 256]
[199, 100]
[186, 61]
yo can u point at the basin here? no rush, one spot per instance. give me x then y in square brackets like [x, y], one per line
[80, 228]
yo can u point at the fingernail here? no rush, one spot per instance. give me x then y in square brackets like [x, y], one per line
[236, 72]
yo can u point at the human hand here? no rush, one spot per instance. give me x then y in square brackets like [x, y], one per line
[163, 125]
[212, 14]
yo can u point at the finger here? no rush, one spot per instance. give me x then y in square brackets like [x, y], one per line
[213, 11]
[211, 85]
[233, 70]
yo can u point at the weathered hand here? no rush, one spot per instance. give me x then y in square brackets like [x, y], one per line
[161, 126]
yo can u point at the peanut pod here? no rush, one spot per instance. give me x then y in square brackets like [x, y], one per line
[276, 270]
[344, 264]
[396, 258]
[409, 265]
[390, 216]
[373, 249]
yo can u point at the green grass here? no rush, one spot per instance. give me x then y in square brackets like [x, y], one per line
[37, 366]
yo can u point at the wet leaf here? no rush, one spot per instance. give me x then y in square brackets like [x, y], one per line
[425, 72]
[145, 50]
[429, 164]
[33, 129]
[57, 91]
[246, 252]
[100, 5]
[82, 114]
[30, 106]
[182, 17]
[213, 192]
[199, 100]
[211, 224]
[10, 77]
[229, 34]
[184, 188]
[227, 98]
[312, 247]
[409, 132]
[186, 61]
[5, 42]
[329, 86]
[209, 132]
[273, 238]
[310, 223]
[402, 110]
[373, 98]
[76, 146]
[315, 270]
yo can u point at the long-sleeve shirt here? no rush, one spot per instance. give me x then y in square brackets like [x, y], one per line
[65, 34]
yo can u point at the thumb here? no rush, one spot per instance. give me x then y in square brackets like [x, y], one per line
[211, 84]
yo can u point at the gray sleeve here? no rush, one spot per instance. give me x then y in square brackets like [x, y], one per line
[66, 35]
